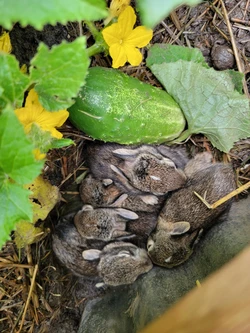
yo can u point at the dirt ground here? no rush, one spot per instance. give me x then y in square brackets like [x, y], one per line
[58, 298]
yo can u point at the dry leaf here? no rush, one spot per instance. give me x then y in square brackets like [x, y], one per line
[44, 198]
[26, 233]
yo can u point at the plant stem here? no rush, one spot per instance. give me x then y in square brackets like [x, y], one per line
[92, 28]
[95, 49]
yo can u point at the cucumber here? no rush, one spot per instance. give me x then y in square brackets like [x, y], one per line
[113, 106]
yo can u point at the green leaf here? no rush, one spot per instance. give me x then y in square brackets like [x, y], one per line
[160, 53]
[208, 101]
[14, 206]
[38, 13]
[13, 83]
[60, 143]
[237, 79]
[16, 158]
[153, 12]
[59, 73]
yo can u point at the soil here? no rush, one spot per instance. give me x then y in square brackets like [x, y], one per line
[58, 298]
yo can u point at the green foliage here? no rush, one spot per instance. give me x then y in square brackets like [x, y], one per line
[12, 82]
[59, 73]
[17, 167]
[38, 13]
[14, 206]
[166, 53]
[153, 12]
[17, 160]
[208, 98]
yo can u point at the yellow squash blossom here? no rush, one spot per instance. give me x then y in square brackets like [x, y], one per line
[33, 112]
[123, 40]
[5, 44]
[115, 9]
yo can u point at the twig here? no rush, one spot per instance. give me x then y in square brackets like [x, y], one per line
[171, 34]
[236, 53]
[11, 265]
[225, 198]
[29, 297]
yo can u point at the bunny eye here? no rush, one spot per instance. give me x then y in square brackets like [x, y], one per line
[168, 260]
[124, 254]
[150, 244]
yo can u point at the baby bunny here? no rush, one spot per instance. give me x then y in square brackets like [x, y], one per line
[103, 223]
[170, 245]
[121, 263]
[184, 215]
[138, 168]
[68, 246]
[149, 172]
[104, 193]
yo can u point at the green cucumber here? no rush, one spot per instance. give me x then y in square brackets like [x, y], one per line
[113, 106]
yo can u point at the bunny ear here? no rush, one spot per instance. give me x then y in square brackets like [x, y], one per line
[180, 228]
[126, 153]
[119, 201]
[149, 199]
[127, 214]
[87, 207]
[91, 254]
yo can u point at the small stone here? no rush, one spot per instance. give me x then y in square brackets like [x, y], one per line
[222, 57]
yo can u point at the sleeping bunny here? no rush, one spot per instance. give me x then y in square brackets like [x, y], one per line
[103, 223]
[103, 193]
[138, 169]
[68, 246]
[184, 216]
[121, 263]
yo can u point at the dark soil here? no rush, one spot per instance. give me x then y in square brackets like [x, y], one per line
[58, 297]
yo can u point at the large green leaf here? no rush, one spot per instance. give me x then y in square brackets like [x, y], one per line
[153, 12]
[17, 161]
[160, 53]
[38, 13]
[14, 206]
[13, 83]
[208, 100]
[59, 73]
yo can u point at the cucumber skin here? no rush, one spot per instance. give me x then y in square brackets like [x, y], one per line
[115, 107]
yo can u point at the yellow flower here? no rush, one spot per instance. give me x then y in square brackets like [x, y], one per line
[5, 44]
[123, 40]
[115, 9]
[33, 112]
[38, 155]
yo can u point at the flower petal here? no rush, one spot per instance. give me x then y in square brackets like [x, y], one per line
[139, 37]
[48, 120]
[112, 34]
[118, 6]
[5, 44]
[117, 53]
[38, 155]
[126, 21]
[134, 56]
